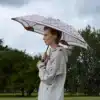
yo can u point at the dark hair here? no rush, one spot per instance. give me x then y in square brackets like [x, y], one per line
[54, 32]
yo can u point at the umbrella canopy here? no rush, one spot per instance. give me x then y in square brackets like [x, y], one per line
[36, 24]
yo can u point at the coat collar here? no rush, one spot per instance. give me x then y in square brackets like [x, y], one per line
[54, 49]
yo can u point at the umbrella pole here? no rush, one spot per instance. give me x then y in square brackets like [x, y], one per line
[47, 49]
[45, 53]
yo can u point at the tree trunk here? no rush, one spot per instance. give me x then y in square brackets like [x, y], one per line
[22, 91]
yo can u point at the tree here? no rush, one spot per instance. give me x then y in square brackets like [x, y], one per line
[83, 64]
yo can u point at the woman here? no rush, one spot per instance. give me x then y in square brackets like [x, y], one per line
[52, 71]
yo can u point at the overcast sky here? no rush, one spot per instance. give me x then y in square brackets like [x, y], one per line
[78, 13]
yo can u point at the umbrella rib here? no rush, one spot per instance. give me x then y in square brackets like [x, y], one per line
[25, 22]
[18, 21]
[31, 26]
[24, 25]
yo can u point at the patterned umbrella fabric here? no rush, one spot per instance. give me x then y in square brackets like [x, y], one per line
[36, 23]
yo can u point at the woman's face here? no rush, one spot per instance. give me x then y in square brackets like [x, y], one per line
[48, 37]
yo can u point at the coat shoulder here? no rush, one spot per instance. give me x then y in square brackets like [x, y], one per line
[61, 48]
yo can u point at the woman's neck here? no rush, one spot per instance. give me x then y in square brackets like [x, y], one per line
[54, 46]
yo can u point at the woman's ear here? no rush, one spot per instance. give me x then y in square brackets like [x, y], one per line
[55, 37]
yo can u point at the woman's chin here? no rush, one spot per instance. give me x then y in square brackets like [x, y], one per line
[46, 43]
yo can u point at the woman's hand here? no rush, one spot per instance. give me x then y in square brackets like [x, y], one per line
[40, 64]
[45, 58]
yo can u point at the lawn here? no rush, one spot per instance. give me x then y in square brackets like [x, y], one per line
[67, 98]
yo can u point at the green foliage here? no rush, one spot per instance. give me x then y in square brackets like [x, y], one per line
[84, 65]
[18, 70]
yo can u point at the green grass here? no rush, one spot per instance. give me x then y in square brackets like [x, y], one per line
[82, 98]
[10, 96]
[17, 98]
[67, 98]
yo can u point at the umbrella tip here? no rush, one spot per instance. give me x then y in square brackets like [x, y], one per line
[12, 18]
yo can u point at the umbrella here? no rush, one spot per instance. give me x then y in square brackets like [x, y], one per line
[36, 23]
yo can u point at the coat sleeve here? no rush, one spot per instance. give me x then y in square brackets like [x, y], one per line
[47, 73]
